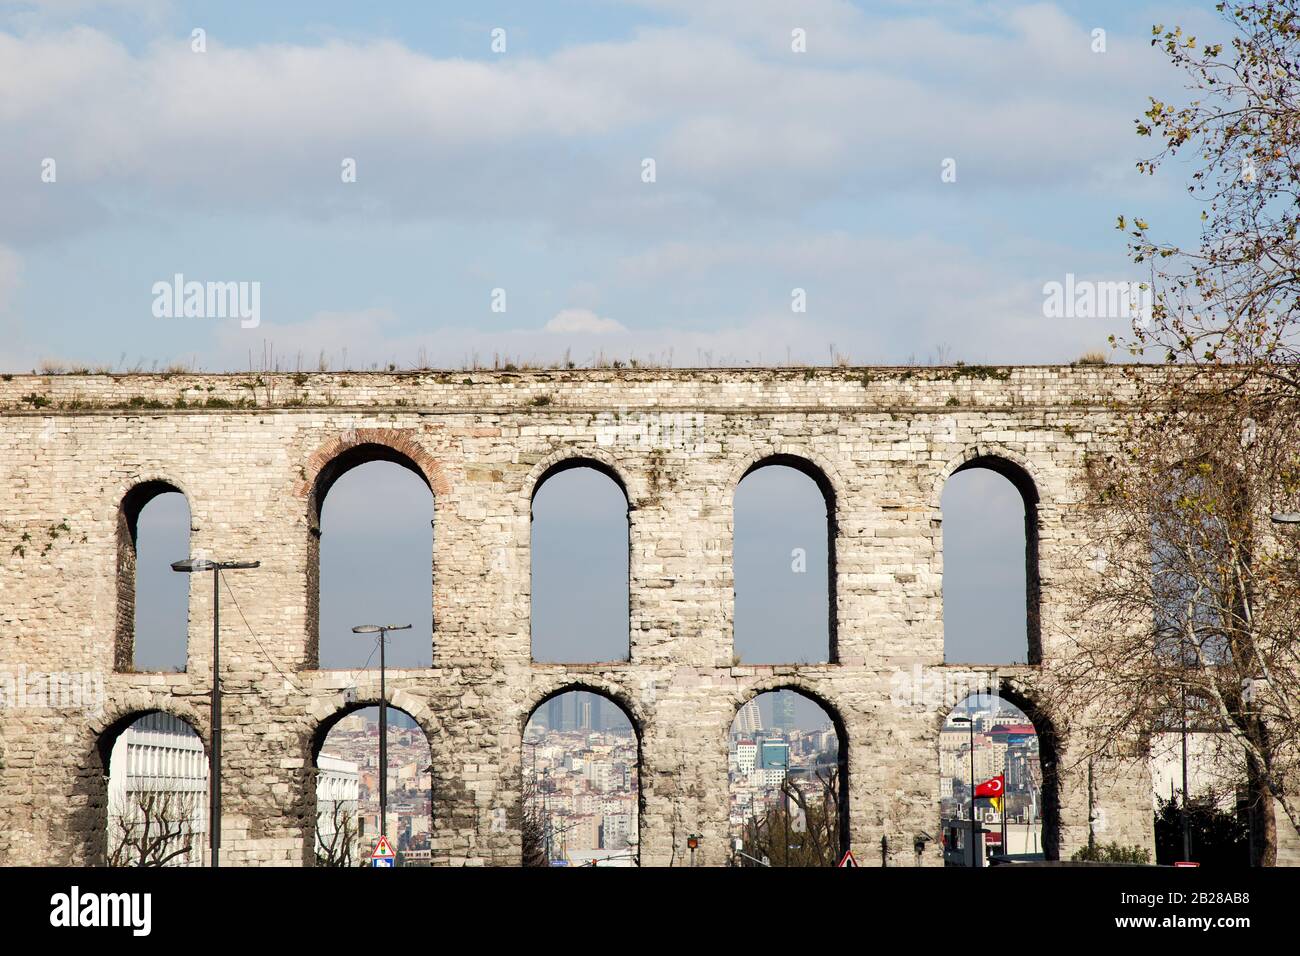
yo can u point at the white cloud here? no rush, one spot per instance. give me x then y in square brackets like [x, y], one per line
[782, 169]
[582, 322]
[731, 122]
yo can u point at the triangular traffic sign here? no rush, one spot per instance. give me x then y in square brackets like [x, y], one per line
[847, 859]
[382, 850]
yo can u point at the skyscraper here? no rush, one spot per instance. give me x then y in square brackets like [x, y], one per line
[596, 723]
[749, 720]
[555, 713]
[783, 711]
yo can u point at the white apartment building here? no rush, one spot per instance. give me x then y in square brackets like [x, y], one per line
[601, 775]
[158, 769]
[338, 792]
[746, 756]
[618, 830]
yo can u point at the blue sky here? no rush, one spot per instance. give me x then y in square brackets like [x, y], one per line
[521, 171]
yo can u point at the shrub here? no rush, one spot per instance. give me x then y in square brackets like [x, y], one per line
[1111, 853]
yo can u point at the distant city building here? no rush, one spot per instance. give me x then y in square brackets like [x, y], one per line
[1004, 743]
[158, 773]
[338, 791]
[749, 720]
[773, 755]
[583, 781]
[354, 744]
[783, 711]
[746, 756]
[761, 767]
[617, 830]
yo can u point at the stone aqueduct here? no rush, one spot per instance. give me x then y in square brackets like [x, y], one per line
[254, 454]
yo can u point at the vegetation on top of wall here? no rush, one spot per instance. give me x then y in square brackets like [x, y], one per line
[962, 370]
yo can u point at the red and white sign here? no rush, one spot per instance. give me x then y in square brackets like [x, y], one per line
[383, 851]
[847, 859]
[1185, 863]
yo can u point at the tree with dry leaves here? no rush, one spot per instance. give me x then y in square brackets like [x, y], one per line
[802, 827]
[1188, 598]
[1188, 616]
[153, 827]
[530, 818]
[336, 844]
[1230, 298]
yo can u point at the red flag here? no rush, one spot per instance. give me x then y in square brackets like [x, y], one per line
[990, 788]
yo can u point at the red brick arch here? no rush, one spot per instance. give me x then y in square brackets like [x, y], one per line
[403, 441]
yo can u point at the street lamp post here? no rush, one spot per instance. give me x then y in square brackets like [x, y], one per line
[974, 843]
[382, 630]
[1186, 820]
[192, 566]
[546, 814]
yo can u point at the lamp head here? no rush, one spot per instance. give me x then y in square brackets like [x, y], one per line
[193, 565]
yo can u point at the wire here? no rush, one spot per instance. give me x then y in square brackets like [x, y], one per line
[352, 679]
[292, 683]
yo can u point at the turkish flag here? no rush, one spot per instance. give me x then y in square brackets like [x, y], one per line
[990, 788]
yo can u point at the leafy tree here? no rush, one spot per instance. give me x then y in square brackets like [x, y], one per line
[1232, 298]
[1219, 838]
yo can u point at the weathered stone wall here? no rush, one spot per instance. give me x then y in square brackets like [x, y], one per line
[246, 450]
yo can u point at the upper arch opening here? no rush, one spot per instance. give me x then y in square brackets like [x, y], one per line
[580, 564]
[370, 558]
[991, 589]
[350, 458]
[152, 624]
[784, 563]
